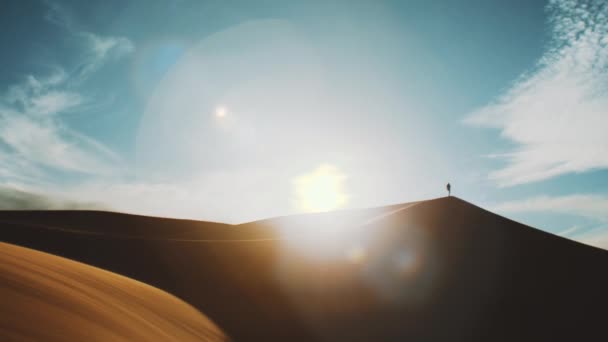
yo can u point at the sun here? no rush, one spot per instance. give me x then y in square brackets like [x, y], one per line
[320, 190]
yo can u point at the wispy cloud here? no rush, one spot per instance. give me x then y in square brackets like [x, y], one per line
[570, 231]
[19, 199]
[590, 206]
[58, 15]
[31, 133]
[99, 49]
[41, 95]
[108, 47]
[598, 238]
[557, 113]
[34, 138]
[54, 102]
[37, 144]
[102, 49]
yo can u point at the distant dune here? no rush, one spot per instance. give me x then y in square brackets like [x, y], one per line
[437, 270]
[48, 298]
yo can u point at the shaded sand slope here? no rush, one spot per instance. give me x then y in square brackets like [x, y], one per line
[438, 270]
[228, 272]
[48, 298]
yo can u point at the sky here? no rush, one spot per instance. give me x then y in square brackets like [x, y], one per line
[239, 110]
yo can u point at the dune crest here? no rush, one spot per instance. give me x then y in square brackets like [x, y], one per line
[50, 298]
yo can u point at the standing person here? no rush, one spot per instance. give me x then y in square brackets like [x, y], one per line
[449, 187]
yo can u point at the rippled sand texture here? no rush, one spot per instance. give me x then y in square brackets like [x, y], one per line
[49, 298]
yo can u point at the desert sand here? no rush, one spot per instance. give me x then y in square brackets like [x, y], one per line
[49, 298]
[437, 270]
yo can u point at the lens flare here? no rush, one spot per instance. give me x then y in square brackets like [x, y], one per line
[221, 112]
[356, 254]
[321, 190]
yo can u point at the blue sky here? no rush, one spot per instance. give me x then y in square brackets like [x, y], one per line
[233, 111]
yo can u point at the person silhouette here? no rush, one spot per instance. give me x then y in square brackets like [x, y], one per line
[449, 187]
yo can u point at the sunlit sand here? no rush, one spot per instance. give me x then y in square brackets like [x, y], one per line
[49, 298]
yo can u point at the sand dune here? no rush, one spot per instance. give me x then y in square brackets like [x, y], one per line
[438, 270]
[49, 298]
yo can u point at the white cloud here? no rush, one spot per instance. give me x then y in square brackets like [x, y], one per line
[557, 114]
[570, 231]
[36, 144]
[58, 15]
[586, 205]
[598, 238]
[54, 102]
[102, 49]
[38, 94]
[48, 143]
[16, 169]
[32, 136]
[41, 96]
[594, 207]
[15, 198]
[109, 47]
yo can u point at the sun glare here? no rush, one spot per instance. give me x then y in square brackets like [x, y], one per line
[220, 111]
[320, 190]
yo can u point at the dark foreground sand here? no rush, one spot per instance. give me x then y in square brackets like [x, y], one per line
[49, 298]
[437, 270]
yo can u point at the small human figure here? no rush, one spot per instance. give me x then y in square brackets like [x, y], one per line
[449, 187]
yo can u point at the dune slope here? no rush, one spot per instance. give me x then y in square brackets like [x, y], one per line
[49, 298]
[438, 270]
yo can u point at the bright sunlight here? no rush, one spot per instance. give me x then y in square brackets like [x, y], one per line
[320, 190]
